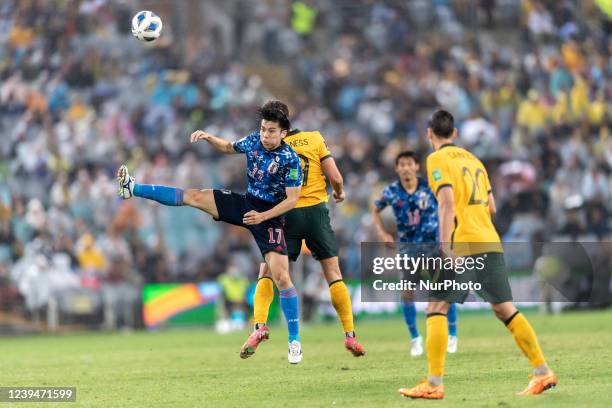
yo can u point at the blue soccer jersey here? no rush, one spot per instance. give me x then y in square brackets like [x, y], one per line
[269, 171]
[416, 214]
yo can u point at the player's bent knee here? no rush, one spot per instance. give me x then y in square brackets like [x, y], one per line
[264, 271]
[503, 310]
[282, 279]
[201, 199]
[331, 269]
[278, 265]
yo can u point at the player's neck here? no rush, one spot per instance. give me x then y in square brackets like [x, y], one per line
[409, 185]
[272, 148]
[440, 143]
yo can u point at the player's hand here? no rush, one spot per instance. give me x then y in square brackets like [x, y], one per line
[199, 135]
[253, 218]
[339, 197]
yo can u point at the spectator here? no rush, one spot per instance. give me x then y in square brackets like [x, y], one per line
[78, 97]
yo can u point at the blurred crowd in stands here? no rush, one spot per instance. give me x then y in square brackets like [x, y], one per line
[529, 85]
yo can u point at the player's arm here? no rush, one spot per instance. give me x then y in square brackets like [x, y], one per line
[379, 225]
[331, 171]
[440, 182]
[492, 206]
[222, 145]
[254, 217]
[446, 213]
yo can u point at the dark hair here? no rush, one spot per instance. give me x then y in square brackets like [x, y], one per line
[442, 124]
[277, 105]
[406, 153]
[276, 111]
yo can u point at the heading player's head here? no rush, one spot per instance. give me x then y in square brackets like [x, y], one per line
[274, 124]
[441, 128]
[407, 165]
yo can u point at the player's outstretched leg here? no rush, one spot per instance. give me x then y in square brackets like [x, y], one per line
[437, 343]
[341, 300]
[128, 188]
[453, 340]
[201, 199]
[543, 378]
[410, 317]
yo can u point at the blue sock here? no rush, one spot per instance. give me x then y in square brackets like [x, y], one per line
[162, 194]
[452, 320]
[409, 311]
[289, 304]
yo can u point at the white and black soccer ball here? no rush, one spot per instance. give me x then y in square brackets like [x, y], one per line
[146, 26]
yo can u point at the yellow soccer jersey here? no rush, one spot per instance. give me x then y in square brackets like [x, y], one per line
[456, 167]
[311, 148]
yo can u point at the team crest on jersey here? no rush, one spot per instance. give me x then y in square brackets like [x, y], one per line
[423, 200]
[273, 167]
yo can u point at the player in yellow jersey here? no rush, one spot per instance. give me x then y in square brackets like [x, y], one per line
[465, 205]
[309, 222]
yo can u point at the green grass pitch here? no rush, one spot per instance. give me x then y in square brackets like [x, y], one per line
[197, 368]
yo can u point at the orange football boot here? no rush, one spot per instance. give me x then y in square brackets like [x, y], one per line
[424, 390]
[540, 383]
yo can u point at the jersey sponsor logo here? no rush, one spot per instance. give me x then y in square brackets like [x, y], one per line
[437, 176]
[225, 191]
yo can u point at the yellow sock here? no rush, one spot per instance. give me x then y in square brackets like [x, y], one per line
[436, 343]
[264, 294]
[526, 339]
[341, 300]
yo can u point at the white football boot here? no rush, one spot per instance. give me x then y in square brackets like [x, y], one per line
[295, 352]
[126, 183]
[416, 346]
[452, 344]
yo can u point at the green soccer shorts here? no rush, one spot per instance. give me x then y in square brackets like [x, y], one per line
[493, 280]
[311, 224]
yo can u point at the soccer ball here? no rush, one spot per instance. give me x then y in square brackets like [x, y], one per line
[146, 26]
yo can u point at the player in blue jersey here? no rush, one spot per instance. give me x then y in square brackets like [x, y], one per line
[416, 213]
[274, 182]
